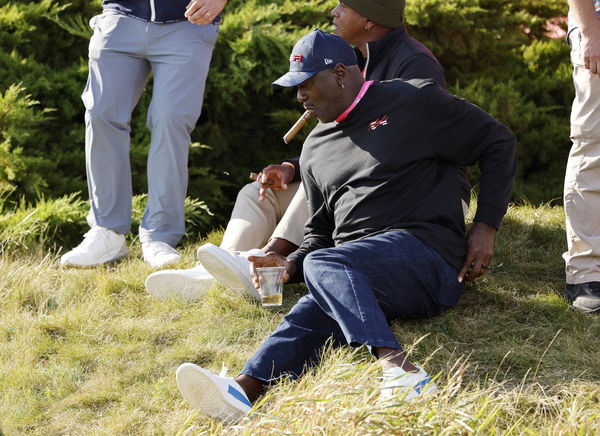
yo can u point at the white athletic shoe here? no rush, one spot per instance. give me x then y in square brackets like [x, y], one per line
[99, 246]
[158, 253]
[190, 284]
[214, 395]
[406, 385]
[230, 268]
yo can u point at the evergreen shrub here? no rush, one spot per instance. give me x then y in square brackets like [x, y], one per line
[60, 222]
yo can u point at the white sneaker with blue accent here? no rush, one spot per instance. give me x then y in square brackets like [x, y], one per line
[231, 268]
[406, 385]
[217, 396]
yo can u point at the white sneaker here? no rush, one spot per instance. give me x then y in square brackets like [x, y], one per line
[190, 284]
[158, 253]
[406, 385]
[99, 246]
[214, 395]
[230, 268]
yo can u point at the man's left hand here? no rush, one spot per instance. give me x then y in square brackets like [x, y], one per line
[203, 11]
[480, 249]
[271, 259]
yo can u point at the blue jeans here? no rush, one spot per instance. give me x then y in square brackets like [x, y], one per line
[355, 290]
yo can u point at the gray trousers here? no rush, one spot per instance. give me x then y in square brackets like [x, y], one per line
[123, 52]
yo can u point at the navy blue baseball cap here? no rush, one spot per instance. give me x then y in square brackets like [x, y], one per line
[315, 52]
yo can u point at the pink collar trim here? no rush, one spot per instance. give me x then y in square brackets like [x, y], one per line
[361, 94]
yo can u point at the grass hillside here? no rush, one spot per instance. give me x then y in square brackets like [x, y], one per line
[90, 352]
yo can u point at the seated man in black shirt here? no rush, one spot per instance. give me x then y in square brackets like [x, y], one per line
[386, 238]
[270, 216]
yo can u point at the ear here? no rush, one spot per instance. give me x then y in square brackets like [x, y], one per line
[369, 25]
[341, 72]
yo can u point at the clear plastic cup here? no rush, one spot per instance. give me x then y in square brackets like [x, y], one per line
[270, 280]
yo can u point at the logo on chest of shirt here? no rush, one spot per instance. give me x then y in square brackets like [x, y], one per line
[379, 122]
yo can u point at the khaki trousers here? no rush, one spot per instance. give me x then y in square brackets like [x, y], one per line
[282, 214]
[582, 179]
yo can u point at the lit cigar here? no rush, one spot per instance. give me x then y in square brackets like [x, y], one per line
[297, 126]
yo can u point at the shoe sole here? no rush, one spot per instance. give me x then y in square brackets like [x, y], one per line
[223, 268]
[110, 257]
[170, 284]
[201, 391]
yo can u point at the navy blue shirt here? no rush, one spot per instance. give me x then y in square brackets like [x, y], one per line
[158, 11]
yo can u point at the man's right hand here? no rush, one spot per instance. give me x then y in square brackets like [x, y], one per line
[590, 44]
[271, 259]
[588, 22]
[275, 177]
[202, 12]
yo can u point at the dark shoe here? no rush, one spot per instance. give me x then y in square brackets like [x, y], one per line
[584, 297]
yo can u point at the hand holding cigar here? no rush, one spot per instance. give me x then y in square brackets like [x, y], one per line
[275, 176]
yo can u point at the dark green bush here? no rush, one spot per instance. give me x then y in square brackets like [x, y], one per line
[18, 117]
[497, 55]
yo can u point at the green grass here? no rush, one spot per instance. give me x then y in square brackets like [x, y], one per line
[90, 352]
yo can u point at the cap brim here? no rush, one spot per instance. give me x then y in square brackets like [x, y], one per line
[293, 78]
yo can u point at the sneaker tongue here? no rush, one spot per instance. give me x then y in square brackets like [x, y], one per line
[93, 236]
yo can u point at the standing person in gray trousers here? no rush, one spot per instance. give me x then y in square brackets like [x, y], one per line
[173, 40]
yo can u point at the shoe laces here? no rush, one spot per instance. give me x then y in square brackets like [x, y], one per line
[159, 248]
[94, 237]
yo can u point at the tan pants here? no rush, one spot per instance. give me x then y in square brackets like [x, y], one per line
[582, 179]
[282, 214]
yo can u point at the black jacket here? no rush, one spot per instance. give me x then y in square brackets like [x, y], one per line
[391, 165]
[399, 56]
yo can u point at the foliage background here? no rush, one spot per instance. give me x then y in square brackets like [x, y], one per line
[495, 53]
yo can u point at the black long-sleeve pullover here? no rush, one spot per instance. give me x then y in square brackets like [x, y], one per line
[391, 164]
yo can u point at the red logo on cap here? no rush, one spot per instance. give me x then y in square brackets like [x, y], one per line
[296, 58]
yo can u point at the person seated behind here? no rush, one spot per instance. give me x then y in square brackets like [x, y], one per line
[386, 237]
[271, 212]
